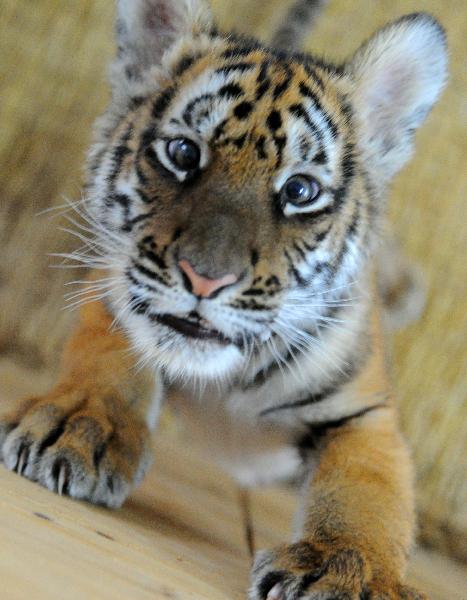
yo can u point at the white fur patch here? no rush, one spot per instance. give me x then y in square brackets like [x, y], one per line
[399, 75]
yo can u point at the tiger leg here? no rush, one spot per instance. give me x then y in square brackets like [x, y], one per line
[357, 521]
[89, 436]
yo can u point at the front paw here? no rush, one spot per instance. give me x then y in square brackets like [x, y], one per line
[85, 444]
[302, 572]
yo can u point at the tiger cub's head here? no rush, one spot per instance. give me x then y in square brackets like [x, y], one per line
[236, 191]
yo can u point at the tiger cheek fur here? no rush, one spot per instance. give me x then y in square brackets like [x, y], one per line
[235, 202]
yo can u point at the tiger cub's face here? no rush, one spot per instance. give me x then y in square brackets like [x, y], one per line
[235, 190]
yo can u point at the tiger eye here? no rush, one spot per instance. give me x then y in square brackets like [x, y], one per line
[184, 154]
[300, 190]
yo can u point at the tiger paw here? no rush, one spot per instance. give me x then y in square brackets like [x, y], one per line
[84, 444]
[301, 572]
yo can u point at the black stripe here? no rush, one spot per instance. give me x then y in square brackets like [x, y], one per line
[153, 257]
[263, 81]
[280, 142]
[309, 441]
[315, 216]
[321, 267]
[308, 93]
[184, 64]
[123, 200]
[138, 306]
[346, 109]
[190, 107]
[148, 273]
[148, 137]
[299, 111]
[242, 110]
[274, 121]
[330, 390]
[230, 91]
[248, 305]
[305, 148]
[311, 72]
[322, 234]
[239, 141]
[301, 281]
[265, 372]
[308, 246]
[136, 102]
[97, 160]
[273, 280]
[132, 279]
[130, 223]
[142, 179]
[151, 157]
[353, 226]
[254, 257]
[177, 233]
[219, 130]
[238, 51]
[299, 251]
[337, 262]
[162, 102]
[145, 198]
[241, 67]
[119, 153]
[254, 292]
[348, 162]
[313, 399]
[280, 89]
[323, 427]
[260, 150]
[348, 168]
[262, 89]
[320, 158]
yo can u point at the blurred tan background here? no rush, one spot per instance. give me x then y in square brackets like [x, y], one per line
[53, 57]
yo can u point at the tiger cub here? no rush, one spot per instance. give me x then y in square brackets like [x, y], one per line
[234, 204]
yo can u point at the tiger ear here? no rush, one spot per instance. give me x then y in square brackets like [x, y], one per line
[146, 29]
[398, 75]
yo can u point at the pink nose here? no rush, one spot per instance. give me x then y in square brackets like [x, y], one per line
[203, 286]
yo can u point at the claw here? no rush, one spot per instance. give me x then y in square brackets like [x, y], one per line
[61, 480]
[275, 593]
[22, 460]
[61, 474]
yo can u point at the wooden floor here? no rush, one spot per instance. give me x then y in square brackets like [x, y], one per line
[182, 535]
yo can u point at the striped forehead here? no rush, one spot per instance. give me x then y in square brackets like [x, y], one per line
[201, 103]
[264, 99]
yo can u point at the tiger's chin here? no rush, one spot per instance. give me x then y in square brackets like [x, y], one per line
[186, 353]
[205, 362]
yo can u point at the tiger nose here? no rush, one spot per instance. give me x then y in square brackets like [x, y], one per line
[203, 286]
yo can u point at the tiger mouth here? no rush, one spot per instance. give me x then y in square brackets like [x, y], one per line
[195, 328]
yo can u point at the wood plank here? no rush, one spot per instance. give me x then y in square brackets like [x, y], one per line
[179, 536]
